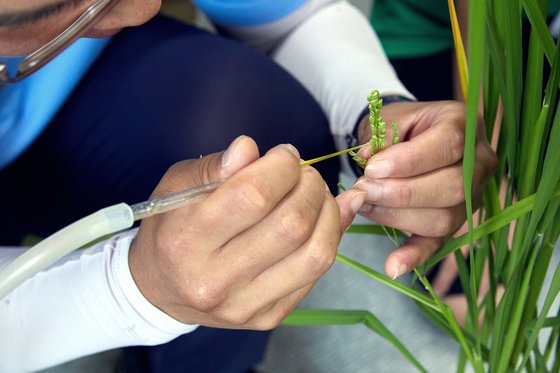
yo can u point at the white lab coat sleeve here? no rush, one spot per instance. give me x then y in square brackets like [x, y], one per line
[84, 304]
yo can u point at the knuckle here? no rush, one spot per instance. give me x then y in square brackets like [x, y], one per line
[320, 258]
[250, 196]
[404, 194]
[175, 171]
[456, 190]
[295, 226]
[444, 224]
[314, 183]
[455, 141]
[204, 298]
[184, 174]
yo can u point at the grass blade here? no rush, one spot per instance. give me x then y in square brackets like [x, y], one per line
[410, 292]
[496, 222]
[551, 295]
[371, 229]
[346, 317]
[460, 55]
[538, 22]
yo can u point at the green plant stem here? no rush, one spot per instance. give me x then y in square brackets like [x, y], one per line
[332, 155]
[411, 293]
[509, 326]
[498, 221]
[348, 317]
[549, 300]
[475, 360]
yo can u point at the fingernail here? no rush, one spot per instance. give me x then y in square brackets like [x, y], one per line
[357, 201]
[293, 150]
[378, 168]
[401, 269]
[227, 156]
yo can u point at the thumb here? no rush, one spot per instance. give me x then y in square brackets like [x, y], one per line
[241, 152]
[349, 203]
[211, 168]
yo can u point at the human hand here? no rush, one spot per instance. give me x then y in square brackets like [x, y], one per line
[247, 254]
[417, 184]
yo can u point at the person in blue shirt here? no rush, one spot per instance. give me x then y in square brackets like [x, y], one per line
[147, 110]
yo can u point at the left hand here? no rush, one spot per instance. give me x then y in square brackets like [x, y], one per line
[417, 184]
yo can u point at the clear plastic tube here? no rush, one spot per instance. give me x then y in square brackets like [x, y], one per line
[172, 201]
[101, 223]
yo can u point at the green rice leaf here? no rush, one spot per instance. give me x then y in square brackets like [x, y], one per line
[410, 292]
[551, 295]
[347, 317]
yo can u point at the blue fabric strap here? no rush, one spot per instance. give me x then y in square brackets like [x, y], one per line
[28, 106]
[247, 12]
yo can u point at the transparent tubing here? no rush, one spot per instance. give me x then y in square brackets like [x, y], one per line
[172, 201]
[105, 221]
[101, 223]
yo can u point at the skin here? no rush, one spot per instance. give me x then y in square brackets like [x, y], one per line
[245, 256]
[23, 39]
[420, 179]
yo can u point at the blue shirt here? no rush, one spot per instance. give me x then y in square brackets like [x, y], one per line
[247, 12]
[28, 106]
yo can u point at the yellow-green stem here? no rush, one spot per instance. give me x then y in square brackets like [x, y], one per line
[332, 155]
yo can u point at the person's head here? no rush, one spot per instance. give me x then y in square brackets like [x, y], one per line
[26, 25]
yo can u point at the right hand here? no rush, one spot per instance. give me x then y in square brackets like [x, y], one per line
[247, 254]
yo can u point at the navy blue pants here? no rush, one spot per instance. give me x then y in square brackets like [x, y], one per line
[159, 93]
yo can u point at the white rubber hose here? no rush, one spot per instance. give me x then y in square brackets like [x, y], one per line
[103, 222]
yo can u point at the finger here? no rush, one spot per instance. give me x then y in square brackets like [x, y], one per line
[349, 203]
[415, 251]
[302, 267]
[242, 152]
[429, 222]
[436, 147]
[459, 306]
[214, 167]
[443, 187]
[281, 232]
[440, 188]
[246, 198]
[446, 274]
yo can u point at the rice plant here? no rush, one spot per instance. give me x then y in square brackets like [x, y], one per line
[519, 222]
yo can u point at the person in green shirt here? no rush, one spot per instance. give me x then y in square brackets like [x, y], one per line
[417, 38]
